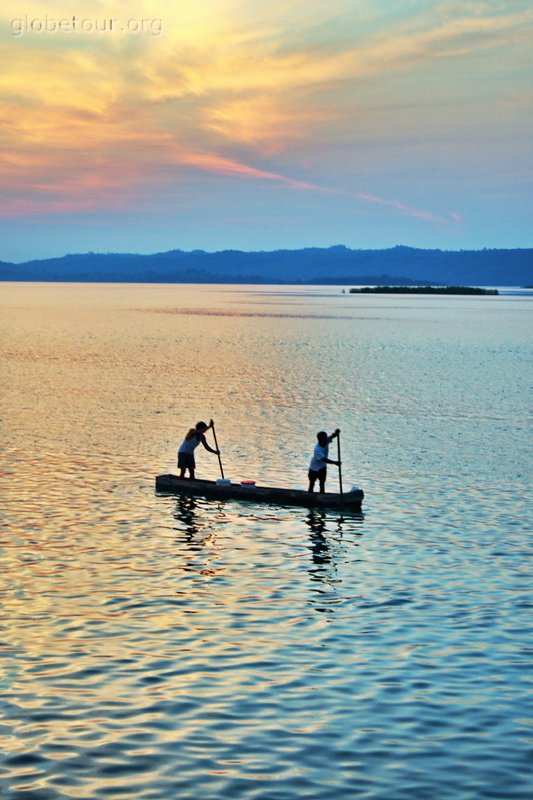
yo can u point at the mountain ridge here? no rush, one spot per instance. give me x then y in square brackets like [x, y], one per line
[486, 267]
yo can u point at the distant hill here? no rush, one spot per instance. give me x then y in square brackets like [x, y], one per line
[338, 264]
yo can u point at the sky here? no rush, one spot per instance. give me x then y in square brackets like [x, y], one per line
[256, 125]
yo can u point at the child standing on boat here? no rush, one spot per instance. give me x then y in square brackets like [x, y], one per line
[190, 443]
[318, 466]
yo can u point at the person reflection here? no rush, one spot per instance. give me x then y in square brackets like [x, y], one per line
[185, 512]
[327, 549]
[195, 521]
[322, 571]
[194, 532]
[316, 520]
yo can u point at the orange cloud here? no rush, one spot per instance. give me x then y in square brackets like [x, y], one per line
[96, 122]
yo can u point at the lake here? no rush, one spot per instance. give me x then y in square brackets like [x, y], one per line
[163, 647]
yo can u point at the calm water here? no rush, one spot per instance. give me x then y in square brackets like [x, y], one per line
[162, 648]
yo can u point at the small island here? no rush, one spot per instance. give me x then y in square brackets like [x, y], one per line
[423, 290]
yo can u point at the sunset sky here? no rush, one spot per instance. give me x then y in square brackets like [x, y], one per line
[266, 124]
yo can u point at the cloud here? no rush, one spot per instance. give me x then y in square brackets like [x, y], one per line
[223, 166]
[227, 90]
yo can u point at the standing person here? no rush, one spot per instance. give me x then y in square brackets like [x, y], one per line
[190, 443]
[317, 467]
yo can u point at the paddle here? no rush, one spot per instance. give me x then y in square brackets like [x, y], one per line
[216, 447]
[339, 460]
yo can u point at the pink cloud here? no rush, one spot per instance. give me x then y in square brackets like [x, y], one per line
[210, 162]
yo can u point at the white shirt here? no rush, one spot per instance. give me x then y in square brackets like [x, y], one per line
[318, 461]
[189, 445]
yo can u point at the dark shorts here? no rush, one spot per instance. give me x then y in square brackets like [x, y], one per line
[186, 461]
[319, 475]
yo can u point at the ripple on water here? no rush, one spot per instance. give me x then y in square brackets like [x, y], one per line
[160, 647]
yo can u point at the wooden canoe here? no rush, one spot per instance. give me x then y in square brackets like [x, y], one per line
[171, 484]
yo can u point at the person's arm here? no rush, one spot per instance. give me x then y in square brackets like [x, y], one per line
[334, 435]
[207, 447]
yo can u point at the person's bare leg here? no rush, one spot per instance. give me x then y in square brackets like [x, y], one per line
[322, 485]
[191, 474]
[182, 474]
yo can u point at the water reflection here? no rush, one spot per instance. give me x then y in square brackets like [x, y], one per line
[317, 520]
[164, 647]
[185, 513]
[320, 550]
[206, 532]
[328, 552]
[194, 516]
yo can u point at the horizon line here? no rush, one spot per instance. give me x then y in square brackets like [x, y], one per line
[276, 250]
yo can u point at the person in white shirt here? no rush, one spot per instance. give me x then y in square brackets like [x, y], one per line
[190, 443]
[317, 467]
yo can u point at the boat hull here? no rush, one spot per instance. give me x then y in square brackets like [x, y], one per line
[171, 484]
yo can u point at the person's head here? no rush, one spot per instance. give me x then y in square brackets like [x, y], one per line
[322, 437]
[201, 427]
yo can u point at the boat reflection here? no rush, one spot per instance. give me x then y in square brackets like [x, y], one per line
[194, 516]
[332, 536]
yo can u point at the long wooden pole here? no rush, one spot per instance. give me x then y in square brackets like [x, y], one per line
[339, 460]
[218, 451]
